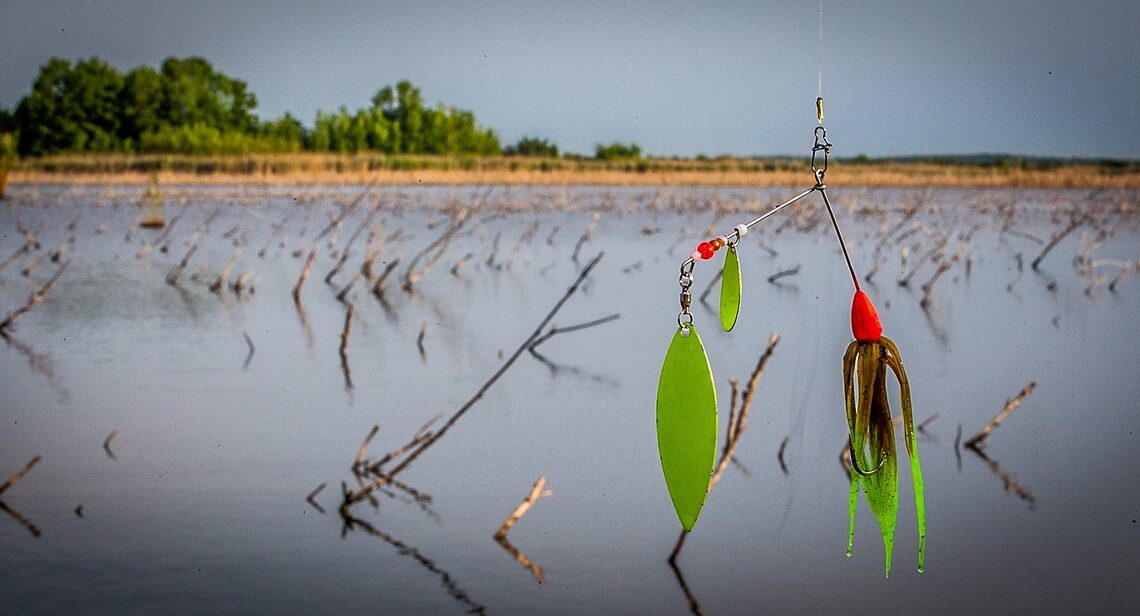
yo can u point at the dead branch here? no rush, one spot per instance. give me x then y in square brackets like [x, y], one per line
[378, 286]
[249, 343]
[460, 263]
[526, 237]
[107, 445]
[31, 267]
[161, 236]
[1077, 221]
[23, 249]
[586, 236]
[216, 286]
[351, 240]
[335, 223]
[36, 297]
[379, 482]
[17, 516]
[344, 333]
[536, 492]
[308, 267]
[195, 238]
[311, 498]
[788, 272]
[555, 330]
[412, 275]
[926, 422]
[420, 341]
[14, 479]
[780, 454]
[976, 442]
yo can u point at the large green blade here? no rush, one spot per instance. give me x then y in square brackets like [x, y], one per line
[686, 424]
[730, 289]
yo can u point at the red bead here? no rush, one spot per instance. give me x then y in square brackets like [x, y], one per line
[865, 324]
[706, 250]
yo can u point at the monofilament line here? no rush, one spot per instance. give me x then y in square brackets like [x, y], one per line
[819, 55]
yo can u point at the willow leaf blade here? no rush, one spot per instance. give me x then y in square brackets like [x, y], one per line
[686, 424]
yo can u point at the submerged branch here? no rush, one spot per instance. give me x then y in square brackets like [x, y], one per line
[381, 481]
[977, 441]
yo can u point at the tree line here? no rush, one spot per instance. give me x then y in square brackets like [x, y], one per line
[187, 106]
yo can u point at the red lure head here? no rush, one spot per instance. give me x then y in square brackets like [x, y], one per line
[865, 324]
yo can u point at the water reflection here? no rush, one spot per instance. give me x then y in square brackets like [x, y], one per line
[446, 579]
[159, 363]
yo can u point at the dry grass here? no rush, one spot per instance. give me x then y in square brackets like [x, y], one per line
[320, 168]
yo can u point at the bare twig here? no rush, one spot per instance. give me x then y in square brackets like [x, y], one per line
[311, 498]
[380, 482]
[976, 442]
[335, 223]
[249, 343]
[17, 516]
[420, 341]
[308, 267]
[555, 330]
[780, 455]
[461, 262]
[788, 272]
[412, 275]
[344, 345]
[36, 297]
[225, 273]
[195, 238]
[586, 235]
[14, 479]
[1077, 221]
[351, 240]
[926, 422]
[107, 445]
[536, 492]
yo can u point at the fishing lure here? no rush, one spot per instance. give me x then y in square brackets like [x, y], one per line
[686, 391]
[871, 428]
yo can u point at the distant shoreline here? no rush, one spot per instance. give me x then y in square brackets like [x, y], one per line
[340, 169]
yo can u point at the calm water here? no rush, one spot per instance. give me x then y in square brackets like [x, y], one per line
[204, 508]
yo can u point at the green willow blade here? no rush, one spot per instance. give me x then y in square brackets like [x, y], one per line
[686, 424]
[882, 488]
[730, 290]
[894, 360]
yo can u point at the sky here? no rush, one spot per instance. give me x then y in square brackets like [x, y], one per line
[1032, 77]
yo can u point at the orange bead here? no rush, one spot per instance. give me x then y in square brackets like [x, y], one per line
[865, 324]
[717, 243]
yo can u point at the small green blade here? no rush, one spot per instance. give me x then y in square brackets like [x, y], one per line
[730, 289]
[686, 424]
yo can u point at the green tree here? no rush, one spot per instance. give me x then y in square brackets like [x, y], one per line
[195, 93]
[71, 108]
[532, 146]
[616, 150]
[141, 100]
[285, 134]
[7, 121]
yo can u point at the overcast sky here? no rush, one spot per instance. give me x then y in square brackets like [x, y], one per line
[1039, 77]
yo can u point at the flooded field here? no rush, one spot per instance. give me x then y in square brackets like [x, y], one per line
[184, 425]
